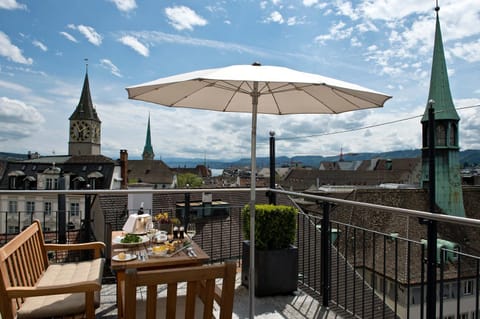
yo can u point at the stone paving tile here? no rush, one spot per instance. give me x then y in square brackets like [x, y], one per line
[298, 305]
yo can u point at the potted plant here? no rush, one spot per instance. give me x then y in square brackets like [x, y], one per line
[276, 257]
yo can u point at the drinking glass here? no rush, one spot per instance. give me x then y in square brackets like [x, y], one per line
[191, 230]
[151, 232]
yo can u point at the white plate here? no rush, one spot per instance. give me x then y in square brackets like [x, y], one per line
[118, 240]
[128, 257]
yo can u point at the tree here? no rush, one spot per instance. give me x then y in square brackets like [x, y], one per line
[189, 179]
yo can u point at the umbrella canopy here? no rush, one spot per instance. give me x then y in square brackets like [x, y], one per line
[280, 91]
[257, 89]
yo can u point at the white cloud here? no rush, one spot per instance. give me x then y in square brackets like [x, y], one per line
[135, 44]
[125, 5]
[276, 17]
[18, 119]
[107, 64]
[355, 42]
[294, 21]
[15, 111]
[92, 36]
[467, 51]
[12, 5]
[366, 27]
[309, 3]
[14, 87]
[338, 31]
[69, 37]
[393, 9]
[40, 45]
[181, 17]
[346, 9]
[11, 51]
[157, 37]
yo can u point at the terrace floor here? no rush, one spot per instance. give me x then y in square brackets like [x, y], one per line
[298, 305]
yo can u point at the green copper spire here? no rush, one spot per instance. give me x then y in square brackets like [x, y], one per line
[439, 85]
[448, 182]
[148, 149]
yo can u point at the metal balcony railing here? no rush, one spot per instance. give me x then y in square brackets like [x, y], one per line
[358, 270]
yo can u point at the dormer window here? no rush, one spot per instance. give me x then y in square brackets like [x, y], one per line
[100, 167]
[84, 168]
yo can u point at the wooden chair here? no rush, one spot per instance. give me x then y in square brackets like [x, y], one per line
[32, 287]
[203, 295]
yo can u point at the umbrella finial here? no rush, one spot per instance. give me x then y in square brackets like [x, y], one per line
[256, 64]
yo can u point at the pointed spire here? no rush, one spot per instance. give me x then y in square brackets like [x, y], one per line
[439, 84]
[148, 149]
[85, 109]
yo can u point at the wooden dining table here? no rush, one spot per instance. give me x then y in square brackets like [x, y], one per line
[144, 261]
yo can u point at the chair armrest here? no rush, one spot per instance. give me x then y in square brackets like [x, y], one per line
[23, 292]
[96, 246]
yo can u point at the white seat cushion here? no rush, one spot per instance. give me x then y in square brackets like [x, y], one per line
[64, 304]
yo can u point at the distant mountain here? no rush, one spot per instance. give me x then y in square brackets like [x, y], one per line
[12, 156]
[467, 158]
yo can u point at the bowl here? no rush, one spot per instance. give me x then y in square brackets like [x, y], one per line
[159, 250]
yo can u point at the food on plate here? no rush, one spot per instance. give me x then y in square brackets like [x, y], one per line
[159, 248]
[122, 256]
[130, 238]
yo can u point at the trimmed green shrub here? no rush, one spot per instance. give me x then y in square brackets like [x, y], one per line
[275, 226]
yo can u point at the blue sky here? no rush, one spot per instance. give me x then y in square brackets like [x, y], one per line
[385, 45]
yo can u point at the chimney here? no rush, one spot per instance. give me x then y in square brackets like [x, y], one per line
[124, 168]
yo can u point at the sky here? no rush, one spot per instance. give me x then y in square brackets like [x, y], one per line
[47, 46]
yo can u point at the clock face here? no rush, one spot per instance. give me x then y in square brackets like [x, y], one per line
[80, 131]
[96, 132]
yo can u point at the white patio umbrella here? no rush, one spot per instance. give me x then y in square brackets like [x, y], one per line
[257, 89]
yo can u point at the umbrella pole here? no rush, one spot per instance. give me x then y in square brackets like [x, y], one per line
[253, 169]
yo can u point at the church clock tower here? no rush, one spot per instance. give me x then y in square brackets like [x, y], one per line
[85, 126]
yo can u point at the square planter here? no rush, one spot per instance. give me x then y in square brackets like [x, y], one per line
[276, 271]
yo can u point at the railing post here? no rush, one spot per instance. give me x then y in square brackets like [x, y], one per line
[186, 212]
[431, 224]
[272, 196]
[61, 214]
[324, 254]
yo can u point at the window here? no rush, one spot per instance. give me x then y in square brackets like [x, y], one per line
[74, 209]
[12, 182]
[52, 183]
[441, 135]
[468, 287]
[47, 208]
[453, 136]
[30, 207]
[12, 207]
